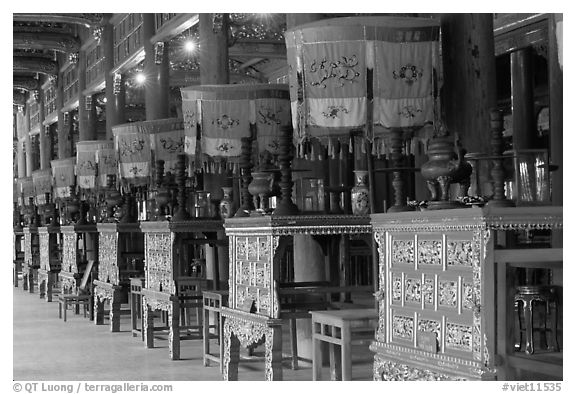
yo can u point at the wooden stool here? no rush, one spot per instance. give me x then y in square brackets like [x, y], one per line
[73, 299]
[528, 296]
[341, 327]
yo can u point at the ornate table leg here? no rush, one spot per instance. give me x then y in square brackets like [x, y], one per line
[24, 280]
[41, 285]
[98, 310]
[231, 353]
[49, 286]
[115, 311]
[274, 353]
[174, 334]
[31, 280]
[148, 320]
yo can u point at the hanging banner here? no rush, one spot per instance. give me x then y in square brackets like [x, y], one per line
[132, 145]
[63, 176]
[221, 115]
[362, 73]
[86, 165]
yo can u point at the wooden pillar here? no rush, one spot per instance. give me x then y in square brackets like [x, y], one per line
[119, 100]
[42, 135]
[28, 142]
[113, 102]
[469, 72]
[86, 126]
[64, 138]
[214, 49]
[20, 132]
[91, 127]
[522, 83]
[555, 77]
[156, 70]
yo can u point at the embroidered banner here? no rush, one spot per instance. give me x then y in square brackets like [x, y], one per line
[271, 115]
[63, 172]
[341, 70]
[107, 162]
[133, 147]
[26, 188]
[221, 115]
[167, 146]
[42, 180]
[190, 112]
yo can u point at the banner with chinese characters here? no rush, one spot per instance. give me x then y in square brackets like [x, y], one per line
[368, 74]
[132, 144]
[63, 173]
[219, 116]
[86, 165]
[42, 184]
[26, 189]
[107, 162]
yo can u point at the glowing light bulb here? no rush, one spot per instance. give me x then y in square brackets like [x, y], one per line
[140, 78]
[190, 46]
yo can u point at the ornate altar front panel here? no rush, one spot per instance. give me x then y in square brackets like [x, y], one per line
[254, 271]
[50, 259]
[253, 243]
[108, 270]
[31, 253]
[158, 254]
[435, 291]
[430, 276]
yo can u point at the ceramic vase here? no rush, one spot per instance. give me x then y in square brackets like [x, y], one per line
[360, 193]
[227, 203]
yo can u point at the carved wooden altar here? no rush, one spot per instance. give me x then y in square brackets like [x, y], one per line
[120, 257]
[79, 244]
[31, 258]
[170, 284]
[49, 239]
[254, 315]
[17, 254]
[443, 302]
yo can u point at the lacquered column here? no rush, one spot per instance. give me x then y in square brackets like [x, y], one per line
[523, 120]
[156, 70]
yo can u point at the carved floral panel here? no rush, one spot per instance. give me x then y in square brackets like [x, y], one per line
[458, 337]
[396, 287]
[252, 249]
[107, 258]
[263, 249]
[159, 264]
[69, 262]
[28, 249]
[447, 293]
[402, 327]
[428, 290]
[44, 240]
[430, 252]
[467, 296]
[413, 290]
[460, 253]
[430, 325]
[402, 252]
[241, 248]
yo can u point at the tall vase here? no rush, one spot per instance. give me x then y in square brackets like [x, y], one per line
[360, 193]
[201, 205]
[226, 204]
